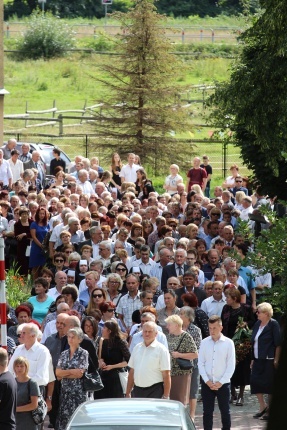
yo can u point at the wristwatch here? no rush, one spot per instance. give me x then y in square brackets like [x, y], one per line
[49, 397]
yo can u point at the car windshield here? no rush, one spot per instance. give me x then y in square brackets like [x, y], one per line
[125, 426]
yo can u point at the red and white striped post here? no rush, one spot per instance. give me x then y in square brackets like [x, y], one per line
[3, 314]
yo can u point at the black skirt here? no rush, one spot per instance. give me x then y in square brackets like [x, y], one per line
[262, 376]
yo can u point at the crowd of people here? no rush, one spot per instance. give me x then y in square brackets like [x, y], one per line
[148, 288]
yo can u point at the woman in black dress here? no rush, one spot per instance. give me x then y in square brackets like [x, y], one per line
[113, 357]
[115, 169]
[23, 237]
[266, 341]
[230, 314]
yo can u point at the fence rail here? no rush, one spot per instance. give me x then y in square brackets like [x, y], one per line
[186, 34]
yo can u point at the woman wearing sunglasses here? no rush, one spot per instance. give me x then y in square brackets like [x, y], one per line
[98, 296]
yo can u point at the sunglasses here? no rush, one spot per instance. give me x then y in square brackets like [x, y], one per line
[127, 210]
[121, 270]
[68, 252]
[238, 182]
[97, 295]
[110, 310]
[59, 261]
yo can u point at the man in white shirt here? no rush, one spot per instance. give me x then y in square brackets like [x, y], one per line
[5, 172]
[129, 171]
[216, 363]
[149, 375]
[61, 282]
[145, 263]
[38, 355]
[213, 305]
[16, 165]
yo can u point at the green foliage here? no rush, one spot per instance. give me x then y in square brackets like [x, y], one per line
[47, 37]
[270, 256]
[17, 288]
[187, 7]
[64, 8]
[253, 104]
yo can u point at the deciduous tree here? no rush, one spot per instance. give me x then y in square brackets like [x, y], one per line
[253, 103]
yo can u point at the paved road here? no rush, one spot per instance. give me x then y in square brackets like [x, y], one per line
[241, 416]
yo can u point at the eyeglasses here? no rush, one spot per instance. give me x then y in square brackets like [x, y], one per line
[97, 295]
[110, 310]
[59, 261]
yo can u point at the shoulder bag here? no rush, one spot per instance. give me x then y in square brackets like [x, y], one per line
[40, 412]
[92, 381]
[184, 364]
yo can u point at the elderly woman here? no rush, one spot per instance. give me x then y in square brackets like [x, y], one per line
[180, 345]
[266, 341]
[27, 395]
[187, 315]
[23, 314]
[114, 285]
[191, 231]
[71, 366]
[169, 309]
[41, 302]
[71, 298]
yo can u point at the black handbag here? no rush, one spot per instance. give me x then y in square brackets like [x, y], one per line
[40, 412]
[183, 363]
[92, 381]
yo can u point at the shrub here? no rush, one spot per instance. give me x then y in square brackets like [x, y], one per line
[46, 37]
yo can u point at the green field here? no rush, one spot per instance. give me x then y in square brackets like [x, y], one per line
[71, 83]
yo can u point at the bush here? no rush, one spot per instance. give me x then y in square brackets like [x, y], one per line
[46, 37]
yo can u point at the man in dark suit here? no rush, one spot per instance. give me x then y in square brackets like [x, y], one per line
[178, 268]
[189, 280]
[36, 163]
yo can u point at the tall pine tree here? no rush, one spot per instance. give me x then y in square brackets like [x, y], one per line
[143, 112]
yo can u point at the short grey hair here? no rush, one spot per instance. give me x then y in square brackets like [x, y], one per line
[77, 331]
[188, 313]
[72, 219]
[95, 229]
[151, 324]
[148, 315]
[106, 244]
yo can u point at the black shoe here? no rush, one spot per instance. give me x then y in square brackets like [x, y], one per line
[260, 414]
[265, 417]
[50, 426]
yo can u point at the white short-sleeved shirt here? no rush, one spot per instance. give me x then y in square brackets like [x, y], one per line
[129, 173]
[148, 363]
